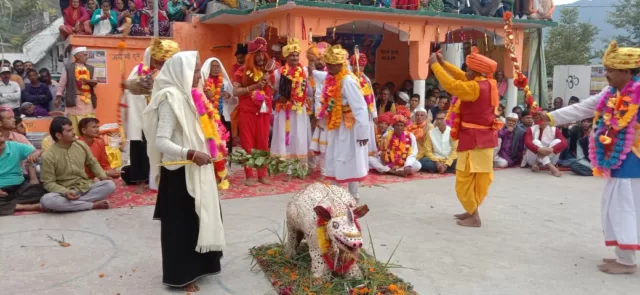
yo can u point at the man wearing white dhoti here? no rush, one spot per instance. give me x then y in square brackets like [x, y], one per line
[358, 63]
[291, 126]
[615, 153]
[398, 152]
[543, 144]
[317, 75]
[345, 110]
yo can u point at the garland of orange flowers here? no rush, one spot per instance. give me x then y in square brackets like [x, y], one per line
[397, 150]
[214, 84]
[521, 81]
[367, 92]
[81, 73]
[298, 101]
[453, 117]
[332, 99]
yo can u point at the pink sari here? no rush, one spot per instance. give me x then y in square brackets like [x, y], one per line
[71, 18]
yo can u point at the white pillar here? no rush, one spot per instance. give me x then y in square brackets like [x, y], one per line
[452, 53]
[419, 87]
[512, 96]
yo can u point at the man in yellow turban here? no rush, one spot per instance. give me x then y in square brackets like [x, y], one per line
[137, 93]
[615, 153]
[475, 127]
[347, 117]
[291, 136]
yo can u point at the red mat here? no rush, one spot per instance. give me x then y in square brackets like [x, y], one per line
[125, 195]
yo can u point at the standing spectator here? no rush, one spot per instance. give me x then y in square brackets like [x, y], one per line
[76, 86]
[18, 67]
[9, 91]
[28, 65]
[103, 20]
[76, 20]
[63, 173]
[45, 78]
[36, 92]
[14, 77]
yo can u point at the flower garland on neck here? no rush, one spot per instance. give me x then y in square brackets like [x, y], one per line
[214, 84]
[324, 243]
[81, 73]
[297, 101]
[209, 119]
[144, 71]
[614, 130]
[259, 94]
[453, 117]
[332, 99]
[397, 150]
[367, 92]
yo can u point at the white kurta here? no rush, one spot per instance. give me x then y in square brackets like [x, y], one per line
[346, 160]
[319, 138]
[373, 149]
[299, 133]
[621, 197]
[547, 140]
[376, 163]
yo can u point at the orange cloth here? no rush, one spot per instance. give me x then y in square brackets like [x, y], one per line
[99, 151]
[486, 66]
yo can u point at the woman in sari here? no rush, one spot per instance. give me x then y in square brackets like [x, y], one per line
[139, 26]
[188, 205]
[76, 20]
[122, 13]
[104, 20]
[164, 25]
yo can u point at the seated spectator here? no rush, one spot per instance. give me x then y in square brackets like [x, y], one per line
[8, 127]
[90, 134]
[501, 111]
[91, 7]
[543, 144]
[517, 110]
[9, 91]
[142, 20]
[383, 126]
[430, 102]
[399, 150]
[406, 4]
[582, 166]
[438, 152]
[76, 20]
[177, 10]
[440, 107]
[124, 16]
[103, 20]
[63, 173]
[431, 5]
[14, 77]
[402, 103]
[558, 103]
[20, 127]
[16, 192]
[385, 103]
[28, 109]
[36, 92]
[197, 6]
[573, 100]
[414, 101]
[421, 125]
[407, 87]
[511, 144]
[164, 25]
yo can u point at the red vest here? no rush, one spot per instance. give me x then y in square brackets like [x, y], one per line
[479, 114]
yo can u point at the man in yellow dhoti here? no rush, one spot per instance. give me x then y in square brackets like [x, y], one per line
[474, 126]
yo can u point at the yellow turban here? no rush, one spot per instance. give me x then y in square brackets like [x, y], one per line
[163, 49]
[292, 46]
[335, 55]
[480, 63]
[621, 58]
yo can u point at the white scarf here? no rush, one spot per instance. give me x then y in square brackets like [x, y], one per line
[548, 134]
[173, 84]
[227, 106]
[135, 104]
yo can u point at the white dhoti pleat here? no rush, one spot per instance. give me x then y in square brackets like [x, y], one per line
[621, 213]
[532, 159]
[346, 160]
[299, 135]
[319, 138]
[373, 148]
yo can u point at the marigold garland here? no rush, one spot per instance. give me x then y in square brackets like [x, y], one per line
[297, 101]
[397, 149]
[453, 117]
[214, 84]
[82, 73]
[367, 92]
[332, 99]
[614, 130]
[520, 81]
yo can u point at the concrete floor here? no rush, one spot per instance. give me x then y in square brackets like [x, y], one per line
[541, 235]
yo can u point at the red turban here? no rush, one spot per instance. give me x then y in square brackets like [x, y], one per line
[400, 119]
[258, 45]
[386, 117]
[362, 60]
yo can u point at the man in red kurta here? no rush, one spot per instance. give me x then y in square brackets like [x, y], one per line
[252, 85]
[544, 144]
[90, 134]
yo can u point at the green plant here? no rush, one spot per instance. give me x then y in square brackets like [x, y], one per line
[274, 165]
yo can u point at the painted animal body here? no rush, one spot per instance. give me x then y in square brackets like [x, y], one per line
[326, 217]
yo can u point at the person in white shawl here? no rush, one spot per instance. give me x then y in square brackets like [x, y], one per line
[213, 71]
[188, 204]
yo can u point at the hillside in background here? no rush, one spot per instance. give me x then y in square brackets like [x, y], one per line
[18, 13]
[596, 13]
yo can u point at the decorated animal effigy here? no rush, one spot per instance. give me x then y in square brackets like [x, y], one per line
[326, 216]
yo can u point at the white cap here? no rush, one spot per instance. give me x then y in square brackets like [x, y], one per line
[404, 96]
[276, 47]
[419, 109]
[78, 50]
[5, 69]
[513, 116]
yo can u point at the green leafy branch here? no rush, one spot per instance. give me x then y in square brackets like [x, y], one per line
[275, 165]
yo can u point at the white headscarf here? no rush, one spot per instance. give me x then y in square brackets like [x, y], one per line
[227, 106]
[131, 118]
[173, 85]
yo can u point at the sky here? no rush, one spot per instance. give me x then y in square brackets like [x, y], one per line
[560, 2]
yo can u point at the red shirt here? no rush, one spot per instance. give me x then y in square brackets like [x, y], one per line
[246, 102]
[99, 151]
[558, 148]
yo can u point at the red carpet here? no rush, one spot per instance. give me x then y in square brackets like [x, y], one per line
[125, 195]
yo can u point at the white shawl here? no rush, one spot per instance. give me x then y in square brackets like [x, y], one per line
[173, 84]
[229, 105]
[135, 104]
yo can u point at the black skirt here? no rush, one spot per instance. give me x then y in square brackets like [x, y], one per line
[179, 224]
[139, 161]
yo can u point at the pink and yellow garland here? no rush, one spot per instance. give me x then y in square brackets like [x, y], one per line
[82, 73]
[367, 92]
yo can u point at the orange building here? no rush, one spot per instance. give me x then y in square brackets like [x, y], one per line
[407, 40]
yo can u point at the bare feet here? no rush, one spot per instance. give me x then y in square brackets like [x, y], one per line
[192, 287]
[264, 180]
[535, 168]
[250, 182]
[615, 268]
[97, 205]
[462, 216]
[608, 260]
[140, 188]
[472, 221]
[554, 170]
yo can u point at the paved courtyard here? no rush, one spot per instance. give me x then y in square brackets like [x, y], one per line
[541, 235]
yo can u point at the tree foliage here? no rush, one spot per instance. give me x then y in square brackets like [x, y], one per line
[626, 16]
[570, 42]
[14, 15]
